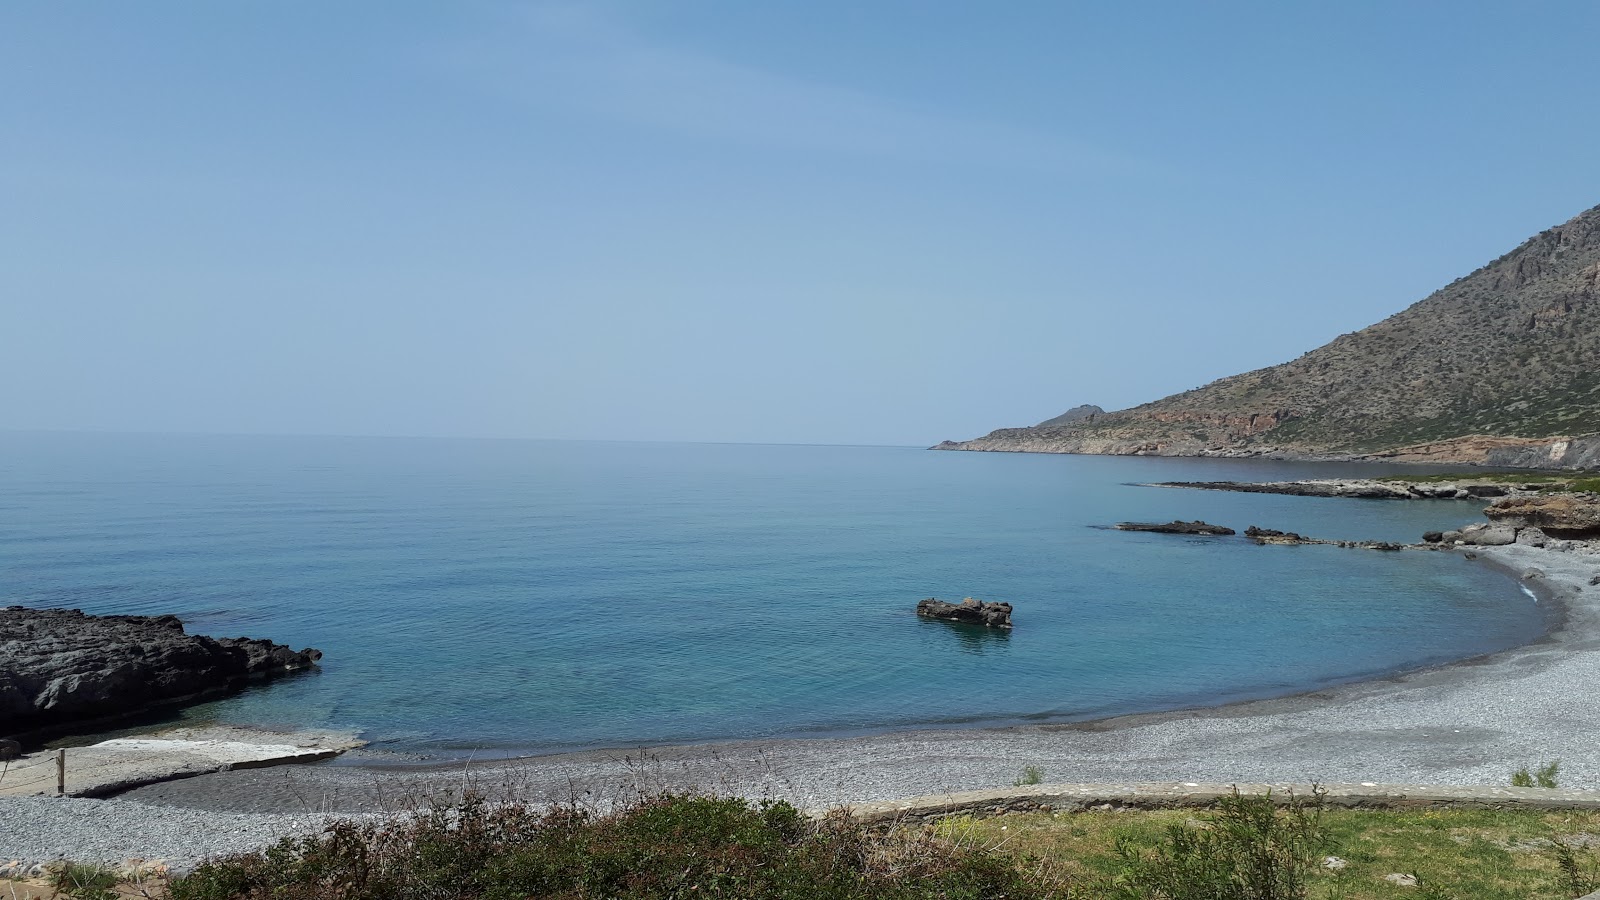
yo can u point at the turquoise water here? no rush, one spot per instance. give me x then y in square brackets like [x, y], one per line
[503, 597]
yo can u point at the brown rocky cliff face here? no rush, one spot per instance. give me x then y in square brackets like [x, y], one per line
[1559, 515]
[1511, 351]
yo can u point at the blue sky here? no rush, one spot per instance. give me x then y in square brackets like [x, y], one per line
[821, 222]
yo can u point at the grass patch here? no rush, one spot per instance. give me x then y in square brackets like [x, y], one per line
[84, 882]
[1456, 854]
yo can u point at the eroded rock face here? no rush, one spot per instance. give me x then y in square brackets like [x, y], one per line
[970, 610]
[1558, 515]
[62, 667]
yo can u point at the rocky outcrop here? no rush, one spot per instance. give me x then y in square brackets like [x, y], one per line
[1272, 536]
[1570, 516]
[1290, 539]
[1496, 368]
[1195, 527]
[61, 668]
[1367, 489]
[1377, 490]
[1481, 534]
[970, 611]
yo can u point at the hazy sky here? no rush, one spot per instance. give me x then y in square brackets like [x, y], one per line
[830, 222]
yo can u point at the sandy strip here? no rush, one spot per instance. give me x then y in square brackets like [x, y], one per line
[1472, 723]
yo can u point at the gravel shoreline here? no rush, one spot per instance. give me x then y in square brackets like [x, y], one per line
[1470, 723]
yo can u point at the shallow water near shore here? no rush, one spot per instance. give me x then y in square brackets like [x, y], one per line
[511, 597]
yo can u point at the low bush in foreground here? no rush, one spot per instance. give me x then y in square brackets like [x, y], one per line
[667, 846]
[687, 846]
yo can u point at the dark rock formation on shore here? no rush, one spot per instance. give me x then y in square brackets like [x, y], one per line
[62, 668]
[1195, 527]
[1496, 368]
[971, 611]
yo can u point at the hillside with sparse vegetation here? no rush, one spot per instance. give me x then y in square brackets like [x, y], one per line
[1509, 352]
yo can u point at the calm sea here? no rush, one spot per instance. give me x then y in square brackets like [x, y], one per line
[502, 597]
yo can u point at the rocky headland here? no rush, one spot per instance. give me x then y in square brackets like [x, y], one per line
[1495, 369]
[63, 670]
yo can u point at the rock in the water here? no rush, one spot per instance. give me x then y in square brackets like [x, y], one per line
[60, 668]
[1273, 536]
[1559, 515]
[1432, 537]
[970, 610]
[1195, 527]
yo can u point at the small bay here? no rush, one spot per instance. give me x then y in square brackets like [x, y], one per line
[510, 597]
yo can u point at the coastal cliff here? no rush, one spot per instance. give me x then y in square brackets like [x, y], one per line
[1499, 368]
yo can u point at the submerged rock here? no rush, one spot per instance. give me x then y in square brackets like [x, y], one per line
[970, 610]
[62, 668]
[1195, 527]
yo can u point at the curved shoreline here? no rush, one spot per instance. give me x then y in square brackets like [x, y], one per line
[1467, 723]
[1472, 721]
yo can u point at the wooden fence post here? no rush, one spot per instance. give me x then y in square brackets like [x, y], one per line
[61, 772]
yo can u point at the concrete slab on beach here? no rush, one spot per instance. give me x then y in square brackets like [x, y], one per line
[116, 765]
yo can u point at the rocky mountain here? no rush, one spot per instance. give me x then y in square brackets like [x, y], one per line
[1501, 367]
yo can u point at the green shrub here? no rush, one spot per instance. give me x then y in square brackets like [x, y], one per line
[1030, 775]
[84, 882]
[1249, 849]
[661, 847]
[1545, 776]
